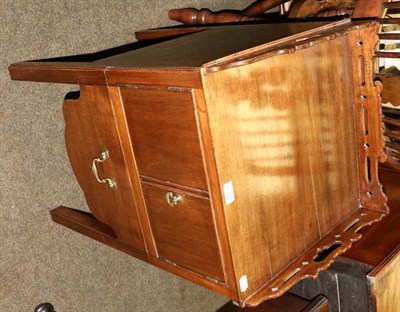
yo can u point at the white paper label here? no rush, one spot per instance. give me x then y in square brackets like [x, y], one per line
[228, 193]
[243, 283]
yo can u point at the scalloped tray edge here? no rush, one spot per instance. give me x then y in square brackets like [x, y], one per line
[306, 266]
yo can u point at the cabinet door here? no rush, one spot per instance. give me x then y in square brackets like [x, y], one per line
[90, 130]
[166, 142]
[163, 128]
[183, 231]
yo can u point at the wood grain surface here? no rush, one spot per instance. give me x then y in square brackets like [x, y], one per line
[90, 127]
[184, 234]
[86, 224]
[164, 134]
[290, 150]
[280, 148]
[381, 238]
[272, 139]
[385, 280]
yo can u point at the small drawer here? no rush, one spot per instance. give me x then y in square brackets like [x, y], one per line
[183, 229]
[164, 133]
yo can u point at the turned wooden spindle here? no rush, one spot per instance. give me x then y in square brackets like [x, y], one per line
[204, 16]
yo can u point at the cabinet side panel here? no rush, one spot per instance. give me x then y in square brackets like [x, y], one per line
[332, 130]
[90, 127]
[254, 135]
[278, 147]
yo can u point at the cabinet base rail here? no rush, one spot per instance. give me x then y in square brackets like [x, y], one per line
[85, 223]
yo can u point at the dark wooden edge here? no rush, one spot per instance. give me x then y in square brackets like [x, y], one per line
[74, 73]
[391, 5]
[86, 224]
[391, 163]
[176, 77]
[289, 44]
[389, 21]
[319, 303]
[286, 303]
[387, 54]
[385, 262]
[92, 74]
[382, 269]
[166, 33]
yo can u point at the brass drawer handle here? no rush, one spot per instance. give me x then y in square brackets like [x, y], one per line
[172, 199]
[104, 155]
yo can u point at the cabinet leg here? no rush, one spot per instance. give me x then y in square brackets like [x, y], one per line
[85, 223]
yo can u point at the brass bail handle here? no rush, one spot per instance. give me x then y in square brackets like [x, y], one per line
[172, 199]
[104, 155]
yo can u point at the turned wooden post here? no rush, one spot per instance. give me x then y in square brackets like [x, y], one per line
[204, 16]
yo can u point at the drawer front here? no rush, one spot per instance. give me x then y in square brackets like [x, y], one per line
[184, 232]
[164, 133]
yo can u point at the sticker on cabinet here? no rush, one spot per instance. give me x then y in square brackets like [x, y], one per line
[228, 193]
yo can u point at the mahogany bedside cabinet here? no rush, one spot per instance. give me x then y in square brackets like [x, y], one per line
[243, 158]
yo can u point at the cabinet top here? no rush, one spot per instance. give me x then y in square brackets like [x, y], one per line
[218, 44]
[212, 49]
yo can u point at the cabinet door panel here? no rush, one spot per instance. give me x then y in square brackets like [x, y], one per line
[162, 125]
[184, 233]
[90, 127]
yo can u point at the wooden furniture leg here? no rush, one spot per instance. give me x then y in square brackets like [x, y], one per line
[45, 307]
[204, 16]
